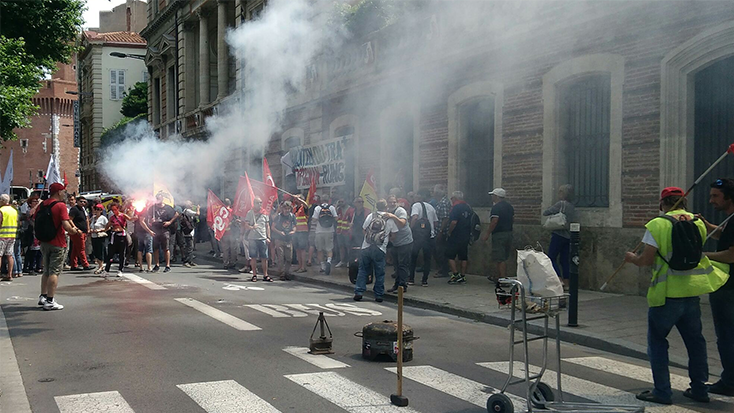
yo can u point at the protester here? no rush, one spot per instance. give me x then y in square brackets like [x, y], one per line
[132, 238]
[325, 216]
[721, 196]
[99, 237]
[228, 243]
[402, 243]
[459, 233]
[423, 222]
[312, 229]
[78, 256]
[378, 230]
[501, 218]
[51, 216]
[283, 230]
[17, 250]
[300, 238]
[8, 233]
[560, 243]
[31, 245]
[673, 294]
[356, 236]
[343, 231]
[145, 239]
[116, 226]
[257, 223]
[159, 218]
[187, 223]
[443, 208]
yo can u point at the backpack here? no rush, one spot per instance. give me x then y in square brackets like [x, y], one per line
[476, 227]
[44, 227]
[326, 218]
[186, 226]
[375, 233]
[422, 227]
[687, 244]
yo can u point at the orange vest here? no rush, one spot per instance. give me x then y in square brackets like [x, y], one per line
[301, 220]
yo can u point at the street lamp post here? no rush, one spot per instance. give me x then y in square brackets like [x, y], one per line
[127, 55]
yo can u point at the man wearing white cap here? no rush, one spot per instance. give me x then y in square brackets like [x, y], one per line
[501, 218]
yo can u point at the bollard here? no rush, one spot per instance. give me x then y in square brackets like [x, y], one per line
[398, 399]
[573, 288]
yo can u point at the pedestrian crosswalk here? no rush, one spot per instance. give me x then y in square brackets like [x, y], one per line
[304, 310]
[342, 392]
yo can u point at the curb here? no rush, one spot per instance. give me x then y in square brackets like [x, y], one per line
[616, 346]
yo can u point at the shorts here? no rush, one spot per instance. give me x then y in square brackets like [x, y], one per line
[312, 239]
[145, 245]
[300, 240]
[53, 259]
[501, 246]
[325, 241]
[343, 240]
[258, 249]
[457, 248]
[6, 246]
[161, 240]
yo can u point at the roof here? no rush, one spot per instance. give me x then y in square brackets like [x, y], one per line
[125, 38]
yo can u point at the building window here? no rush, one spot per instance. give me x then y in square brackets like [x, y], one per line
[255, 12]
[24, 145]
[117, 84]
[584, 132]
[476, 123]
[156, 101]
[145, 76]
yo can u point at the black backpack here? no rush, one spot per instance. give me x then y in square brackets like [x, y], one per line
[687, 244]
[422, 227]
[326, 218]
[44, 227]
[476, 227]
[375, 233]
[186, 225]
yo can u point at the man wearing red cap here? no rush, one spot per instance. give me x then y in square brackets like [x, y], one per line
[680, 274]
[54, 250]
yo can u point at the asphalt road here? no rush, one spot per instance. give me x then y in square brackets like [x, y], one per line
[208, 340]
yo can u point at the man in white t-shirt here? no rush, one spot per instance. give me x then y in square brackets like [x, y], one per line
[424, 234]
[324, 217]
[378, 230]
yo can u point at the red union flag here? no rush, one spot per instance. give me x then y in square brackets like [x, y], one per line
[244, 197]
[267, 176]
[217, 215]
[268, 194]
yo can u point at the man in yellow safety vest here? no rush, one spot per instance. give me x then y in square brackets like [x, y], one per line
[8, 231]
[680, 274]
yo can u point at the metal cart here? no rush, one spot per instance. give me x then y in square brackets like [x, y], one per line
[539, 395]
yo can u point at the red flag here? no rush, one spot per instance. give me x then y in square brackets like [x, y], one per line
[267, 176]
[312, 189]
[66, 183]
[217, 215]
[244, 197]
[268, 194]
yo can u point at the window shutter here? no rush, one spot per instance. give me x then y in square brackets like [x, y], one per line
[113, 84]
[121, 83]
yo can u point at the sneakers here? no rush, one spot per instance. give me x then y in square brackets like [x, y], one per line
[378, 299]
[187, 265]
[156, 268]
[702, 398]
[119, 273]
[42, 300]
[192, 264]
[327, 268]
[357, 297]
[245, 270]
[52, 305]
[424, 284]
[301, 271]
[411, 282]
[721, 388]
[341, 264]
[168, 269]
[457, 278]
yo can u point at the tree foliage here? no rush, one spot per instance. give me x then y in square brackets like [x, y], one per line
[116, 133]
[34, 36]
[135, 101]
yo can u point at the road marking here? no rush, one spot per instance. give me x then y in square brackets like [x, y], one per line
[635, 372]
[347, 394]
[234, 287]
[143, 281]
[462, 388]
[219, 315]
[226, 396]
[303, 310]
[107, 402]
[321, 361]
[13, 397]
[584, 388]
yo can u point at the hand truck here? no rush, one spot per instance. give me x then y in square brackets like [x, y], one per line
[539, 395]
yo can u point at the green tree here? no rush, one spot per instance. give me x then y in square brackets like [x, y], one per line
[135, 101]
[34, 36]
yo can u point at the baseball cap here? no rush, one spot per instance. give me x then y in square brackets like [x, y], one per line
[55, 188]
[499, 192]
[671, 191]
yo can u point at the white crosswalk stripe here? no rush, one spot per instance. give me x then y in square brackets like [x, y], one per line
[226, 396]
[143, 281]
[350, 396]
[303, 310]
[219, 315]
[633, 371]
[584, 388]
[321, 361]
[103, 402]
[462, 388]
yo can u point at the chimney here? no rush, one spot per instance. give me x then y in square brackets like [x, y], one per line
[129, 13]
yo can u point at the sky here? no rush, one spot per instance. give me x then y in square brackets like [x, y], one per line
[91, 16]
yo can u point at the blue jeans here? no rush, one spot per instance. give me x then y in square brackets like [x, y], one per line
[559, 246]
[371, 257]
[722, 308]
[685, 314]
[17, 258]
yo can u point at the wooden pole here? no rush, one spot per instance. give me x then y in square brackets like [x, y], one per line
[398, 399]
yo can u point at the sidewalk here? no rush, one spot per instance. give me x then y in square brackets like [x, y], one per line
[609, 322]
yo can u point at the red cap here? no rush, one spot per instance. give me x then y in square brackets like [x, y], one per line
[671, 191]
[56, 187]
[99, 206]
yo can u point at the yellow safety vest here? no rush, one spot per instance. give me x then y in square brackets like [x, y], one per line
[668, 283]
[9, 228]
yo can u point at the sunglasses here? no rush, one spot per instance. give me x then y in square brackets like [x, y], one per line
[719, 183]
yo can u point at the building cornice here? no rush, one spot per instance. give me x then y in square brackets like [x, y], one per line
[161, 18]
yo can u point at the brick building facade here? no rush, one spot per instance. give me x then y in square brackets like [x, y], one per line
[35, 144]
